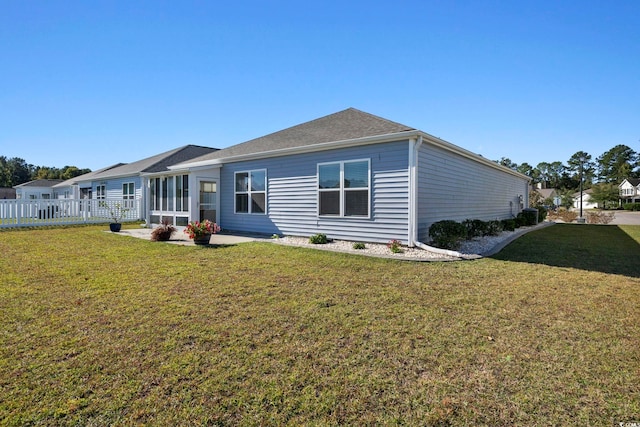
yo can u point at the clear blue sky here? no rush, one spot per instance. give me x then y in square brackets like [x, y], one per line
[92, 83]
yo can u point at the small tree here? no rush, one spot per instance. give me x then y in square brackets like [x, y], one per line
[605, 195]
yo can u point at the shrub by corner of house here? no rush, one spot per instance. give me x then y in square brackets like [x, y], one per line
[319, 239]
[447, 234]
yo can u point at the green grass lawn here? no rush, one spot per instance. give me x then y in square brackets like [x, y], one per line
[100, 329]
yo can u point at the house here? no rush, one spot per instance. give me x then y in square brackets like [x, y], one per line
[548, 195]
[350, 175]
[37, 189]
[587, 203]
[130, 182]
[630, 190]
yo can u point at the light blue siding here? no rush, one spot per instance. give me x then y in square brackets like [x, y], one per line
[114, 186]
[292, 195]
[454, 187]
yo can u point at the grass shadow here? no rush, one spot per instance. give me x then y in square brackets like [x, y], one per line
[609, 249]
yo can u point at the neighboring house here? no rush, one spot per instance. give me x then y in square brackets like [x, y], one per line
[549, 195]
[7, 193]
[630, 190]
[70, 189]
[350, 175]
[141, 180]
[586, 200]
[37, 189]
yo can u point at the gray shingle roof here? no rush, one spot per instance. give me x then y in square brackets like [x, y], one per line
[341, 126]
[40, 183]
[157, 163]
[634, 181]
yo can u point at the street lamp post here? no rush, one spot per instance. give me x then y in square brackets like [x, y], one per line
[581, 218]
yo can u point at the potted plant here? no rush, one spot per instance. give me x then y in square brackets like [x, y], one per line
[116, 213]
[201, 231]
[163, 231]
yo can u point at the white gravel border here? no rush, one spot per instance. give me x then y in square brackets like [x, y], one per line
[470, 249]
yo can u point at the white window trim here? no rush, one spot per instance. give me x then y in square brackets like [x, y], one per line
[249, 192]
[343, 190]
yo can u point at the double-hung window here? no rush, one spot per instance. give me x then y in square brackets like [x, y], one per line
[343, 188]
[128, 194]
[101, 192]
[251, 192]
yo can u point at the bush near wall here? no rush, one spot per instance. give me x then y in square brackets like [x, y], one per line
[449, 234]
[631, 206]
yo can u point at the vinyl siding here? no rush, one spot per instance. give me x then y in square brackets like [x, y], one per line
[114, 186]
[453, 187]
[292, 195]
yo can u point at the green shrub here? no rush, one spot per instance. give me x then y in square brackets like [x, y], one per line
[631, 206]
[493, 228]
[395, 246]
[521, 221]
[509, 224]
[475, 228]
[359, 245]
[318, 239]
[447, 234]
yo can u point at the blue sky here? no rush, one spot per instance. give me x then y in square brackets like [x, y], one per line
[94, 83]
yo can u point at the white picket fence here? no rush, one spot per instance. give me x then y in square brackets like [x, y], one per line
[41, 212]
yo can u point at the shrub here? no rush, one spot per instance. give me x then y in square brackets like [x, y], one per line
[493, 228]
[163, 231]
[530, 216]
[395, 246]
[564, 215]
[631, 206]
[447, 234]
[599, 217]
[359, 245]
[521, 221]
[318, 239]
[475, 228]
[509, 224]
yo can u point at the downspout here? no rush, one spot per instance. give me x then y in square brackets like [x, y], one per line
[414, 147]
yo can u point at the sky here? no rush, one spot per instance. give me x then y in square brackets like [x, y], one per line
[94, 83]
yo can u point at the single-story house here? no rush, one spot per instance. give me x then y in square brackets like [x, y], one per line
[132, 182]
[37, 189]
[630, 190]
[350, 175]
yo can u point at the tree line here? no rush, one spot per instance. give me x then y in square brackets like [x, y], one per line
[15, 171]
[602, 175]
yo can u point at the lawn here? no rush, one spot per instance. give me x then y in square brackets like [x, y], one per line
[100, 329]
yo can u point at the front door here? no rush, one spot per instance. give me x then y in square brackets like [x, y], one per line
[208, 200]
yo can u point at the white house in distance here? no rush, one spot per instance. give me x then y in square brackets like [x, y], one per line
[37, 189]
[630, 190]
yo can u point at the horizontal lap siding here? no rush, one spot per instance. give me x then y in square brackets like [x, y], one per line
[293, 195]
[454, 187]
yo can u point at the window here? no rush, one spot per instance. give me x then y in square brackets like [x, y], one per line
[170, 193]
[343, 188]
[101, 192]
[128, 194]
[251, 192]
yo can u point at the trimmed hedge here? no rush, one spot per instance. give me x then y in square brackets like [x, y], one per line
[631, 206]
[447, 234]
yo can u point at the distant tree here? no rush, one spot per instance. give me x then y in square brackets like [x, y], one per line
[588, 168]
[605, 194]
[555, 171]
[505, 161]
[14, 171]
[618, 163]
[530, 171]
